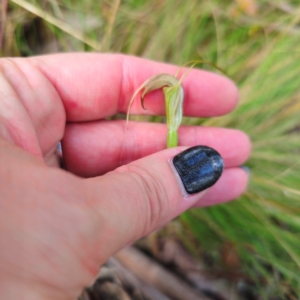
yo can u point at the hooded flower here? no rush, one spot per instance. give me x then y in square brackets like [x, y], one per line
[174, 96]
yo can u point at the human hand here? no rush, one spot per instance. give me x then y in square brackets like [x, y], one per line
[56, 228]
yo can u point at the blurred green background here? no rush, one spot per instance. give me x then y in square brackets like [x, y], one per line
[256, 237]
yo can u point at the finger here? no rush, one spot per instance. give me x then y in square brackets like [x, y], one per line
[15, 124]
[94, 86]
[231, 185]
[144, 195]
[94, 148]
[31, 110]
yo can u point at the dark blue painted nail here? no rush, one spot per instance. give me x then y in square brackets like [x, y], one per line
[199, 168]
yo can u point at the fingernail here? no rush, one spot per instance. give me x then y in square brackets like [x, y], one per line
[246, 170]
[199, 168]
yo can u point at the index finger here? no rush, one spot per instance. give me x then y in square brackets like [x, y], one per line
[94, 86]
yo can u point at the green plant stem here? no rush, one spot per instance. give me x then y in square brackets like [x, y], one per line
[172, 139]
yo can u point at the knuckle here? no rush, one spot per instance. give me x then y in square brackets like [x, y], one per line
[153, 196]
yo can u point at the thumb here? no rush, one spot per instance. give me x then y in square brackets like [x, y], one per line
[142, 196]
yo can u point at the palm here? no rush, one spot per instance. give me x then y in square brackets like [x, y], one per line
[59, 225]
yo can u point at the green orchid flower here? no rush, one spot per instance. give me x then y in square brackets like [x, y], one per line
[174, 96]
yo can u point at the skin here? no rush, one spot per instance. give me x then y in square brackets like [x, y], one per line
[58, 227]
